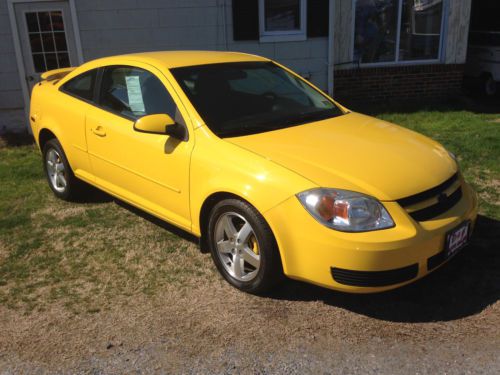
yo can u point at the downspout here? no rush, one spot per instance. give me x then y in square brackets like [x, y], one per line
[331, 32]
[224, 24]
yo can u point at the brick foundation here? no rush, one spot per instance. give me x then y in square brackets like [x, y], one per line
[432, 81]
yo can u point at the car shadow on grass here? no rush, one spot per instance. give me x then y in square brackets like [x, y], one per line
[464, 286]
[159, 222]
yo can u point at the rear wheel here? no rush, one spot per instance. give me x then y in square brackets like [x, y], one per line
[59, 175]
[243, 247]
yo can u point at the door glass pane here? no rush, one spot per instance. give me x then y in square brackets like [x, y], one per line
[420, 29]
[375, 30]
[60, 39]
[282, 15]
[44, 20]
[32, 22]
[135, 92]
[39, 63]
[35, 42]
[63, 59]
[48, 42]
[51, 59]
[57, 21]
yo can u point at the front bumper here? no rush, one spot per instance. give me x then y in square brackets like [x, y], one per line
[391, 257]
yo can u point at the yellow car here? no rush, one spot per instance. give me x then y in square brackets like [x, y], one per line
[272, 175]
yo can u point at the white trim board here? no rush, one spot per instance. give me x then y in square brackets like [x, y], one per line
[18, 51]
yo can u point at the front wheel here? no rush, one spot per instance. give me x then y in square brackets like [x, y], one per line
[243, 247]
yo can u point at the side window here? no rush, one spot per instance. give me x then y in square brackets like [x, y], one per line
[135, 92]
[82, 86]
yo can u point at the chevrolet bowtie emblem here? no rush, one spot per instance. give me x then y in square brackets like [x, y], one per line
[442, 197]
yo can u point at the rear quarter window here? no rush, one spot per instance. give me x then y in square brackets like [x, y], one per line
[81, 86]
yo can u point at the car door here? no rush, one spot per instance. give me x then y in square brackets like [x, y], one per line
[147, 170]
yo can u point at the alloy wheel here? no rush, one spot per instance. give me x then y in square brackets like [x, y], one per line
[237, 246]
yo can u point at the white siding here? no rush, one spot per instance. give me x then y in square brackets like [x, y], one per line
[457, 31]
[10, 88]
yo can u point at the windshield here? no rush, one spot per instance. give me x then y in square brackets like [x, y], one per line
[251, 97]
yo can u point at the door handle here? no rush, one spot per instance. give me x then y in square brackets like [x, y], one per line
[99, 131]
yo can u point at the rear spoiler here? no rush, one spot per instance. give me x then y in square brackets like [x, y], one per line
[52, 75]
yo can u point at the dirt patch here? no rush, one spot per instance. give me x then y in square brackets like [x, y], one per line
[212, 327]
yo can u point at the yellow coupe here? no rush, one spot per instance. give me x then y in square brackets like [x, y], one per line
[271, 174]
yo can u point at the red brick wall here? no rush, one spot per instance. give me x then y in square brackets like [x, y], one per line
[398, 82]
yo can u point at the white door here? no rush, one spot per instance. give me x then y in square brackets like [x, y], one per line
[46, 38]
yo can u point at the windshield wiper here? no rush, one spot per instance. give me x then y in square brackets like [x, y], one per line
[246, 130]
[306, 117]
[275, 124]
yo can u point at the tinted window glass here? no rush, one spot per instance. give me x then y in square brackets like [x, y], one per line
[251, 97]
[134, 92]
[82, 86]
[375, 30]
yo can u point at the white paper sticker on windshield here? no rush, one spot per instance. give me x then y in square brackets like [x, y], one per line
[134, 92]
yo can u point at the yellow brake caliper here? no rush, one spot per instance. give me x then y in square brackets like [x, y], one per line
[253, 245]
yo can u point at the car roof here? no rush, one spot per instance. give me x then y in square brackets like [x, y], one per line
[175, 59]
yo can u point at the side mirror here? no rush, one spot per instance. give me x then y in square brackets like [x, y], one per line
[161, 124]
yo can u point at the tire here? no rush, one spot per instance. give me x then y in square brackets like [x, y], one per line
[243, 247]
[490, 86]
[60, 177]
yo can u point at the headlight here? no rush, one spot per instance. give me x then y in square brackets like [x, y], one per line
[346, 211]
[453, 156]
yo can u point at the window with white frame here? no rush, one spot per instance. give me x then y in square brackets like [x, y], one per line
[282, 20]
[393, 31]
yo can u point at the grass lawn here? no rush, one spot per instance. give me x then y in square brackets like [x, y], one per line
[86, 256]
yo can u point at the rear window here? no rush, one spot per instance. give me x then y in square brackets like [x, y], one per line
[81, 86]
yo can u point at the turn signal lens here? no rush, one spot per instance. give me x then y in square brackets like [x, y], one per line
[346, 210]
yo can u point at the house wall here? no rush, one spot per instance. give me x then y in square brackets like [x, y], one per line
[110, 27]
[10, 87]
[187, 24]
[354, 84]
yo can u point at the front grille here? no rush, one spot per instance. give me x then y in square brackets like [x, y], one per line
[441, 201]
[374, 278]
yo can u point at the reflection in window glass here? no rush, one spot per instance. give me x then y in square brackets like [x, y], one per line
[282, 15]
[57, 21]
[44, 21]
[420, 29]
[375, 30]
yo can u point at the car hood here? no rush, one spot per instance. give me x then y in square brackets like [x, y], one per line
[356, 152]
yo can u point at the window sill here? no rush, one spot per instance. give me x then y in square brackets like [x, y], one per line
[399, 63]
[299, 37]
